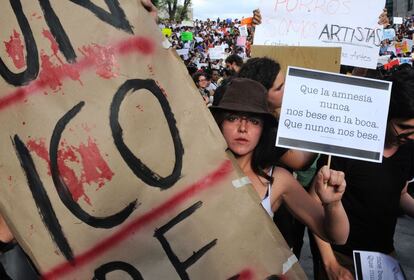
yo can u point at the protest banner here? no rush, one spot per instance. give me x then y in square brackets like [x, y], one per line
[187, 36]
[318, 58]
[187, 23]
[243, 31]
[111, 166]
[391, 64]
[241, 41]
[398, 20]
[167, 32]
[247, 21]
[183, 52]
[388, 34]
[350, 24]
[337, 114]
[216, 53]
[376, 266]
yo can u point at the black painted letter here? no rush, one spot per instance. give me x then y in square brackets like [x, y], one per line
[102, 271]
[41, 198]
[179, 266]
[138, 167]
[63, 190]
[32, 56]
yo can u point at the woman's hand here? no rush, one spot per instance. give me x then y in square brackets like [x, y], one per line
[329, 185]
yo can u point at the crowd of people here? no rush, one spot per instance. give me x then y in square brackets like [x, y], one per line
[351, 205]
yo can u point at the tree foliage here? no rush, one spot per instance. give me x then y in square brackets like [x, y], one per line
[175, 10]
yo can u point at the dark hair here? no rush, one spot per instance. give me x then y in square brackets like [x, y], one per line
[402, 93]
[263, 148]
[234, 58]
[261, 69]
[197, 75]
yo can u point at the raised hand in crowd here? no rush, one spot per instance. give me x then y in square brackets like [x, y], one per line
[257, 17]
[150, 8]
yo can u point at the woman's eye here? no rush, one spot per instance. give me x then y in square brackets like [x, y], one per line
[232, 118]
[254, 121]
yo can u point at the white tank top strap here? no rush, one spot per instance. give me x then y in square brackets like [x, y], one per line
[266, 203]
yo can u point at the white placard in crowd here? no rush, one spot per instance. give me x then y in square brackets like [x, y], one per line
[243, 31]
[216, 53]
[334, 114]
[376, 266]
[398, 20]
[388, 34]
[351, 24]
[183, 52]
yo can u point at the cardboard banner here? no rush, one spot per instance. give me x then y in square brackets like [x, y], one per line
[187, 36]
[351, 25]
[318, 58]
[111, 166]
[338, 114]
[167, 32]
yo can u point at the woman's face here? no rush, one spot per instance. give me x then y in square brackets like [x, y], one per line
[275, 93]
[242, 132]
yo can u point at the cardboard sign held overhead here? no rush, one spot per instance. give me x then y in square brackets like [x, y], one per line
[318, 58]
[187, 36]
[350, 24]
[334, 114]
[111, 166]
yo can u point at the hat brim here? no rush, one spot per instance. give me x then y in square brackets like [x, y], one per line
[235, 107]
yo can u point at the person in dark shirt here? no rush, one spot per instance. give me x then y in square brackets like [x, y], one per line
[375, 191]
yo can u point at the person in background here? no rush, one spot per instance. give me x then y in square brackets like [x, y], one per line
[375, 191]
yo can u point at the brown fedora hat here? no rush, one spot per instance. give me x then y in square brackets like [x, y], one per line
[245, 95]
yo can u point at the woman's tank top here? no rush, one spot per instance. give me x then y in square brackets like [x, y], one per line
[267, 205]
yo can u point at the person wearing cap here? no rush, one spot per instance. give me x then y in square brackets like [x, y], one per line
[245, 121]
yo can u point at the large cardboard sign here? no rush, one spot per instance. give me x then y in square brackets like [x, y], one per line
[111, 166]
[350, 24]
[334, 114]
[318, 58]
[216, 53]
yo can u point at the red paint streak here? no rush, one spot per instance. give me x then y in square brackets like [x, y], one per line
[140, 222]
[52, 75]
[15, 50]
[39, 148]
[104, 60]
[140, 45]
[246, 274]
[94, 169]
[53, 44]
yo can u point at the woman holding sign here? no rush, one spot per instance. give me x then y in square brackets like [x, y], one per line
[246, 123]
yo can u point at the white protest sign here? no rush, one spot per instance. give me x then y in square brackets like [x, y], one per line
[334, 114]
[216, 53]
[388, 34]
[376, 266]
[398, 20]
[183, 52]
[350, 24]
[243, 31]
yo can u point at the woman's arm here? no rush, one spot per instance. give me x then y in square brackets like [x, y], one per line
[328, 220]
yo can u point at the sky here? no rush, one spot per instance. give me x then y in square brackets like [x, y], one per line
[203, 9]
